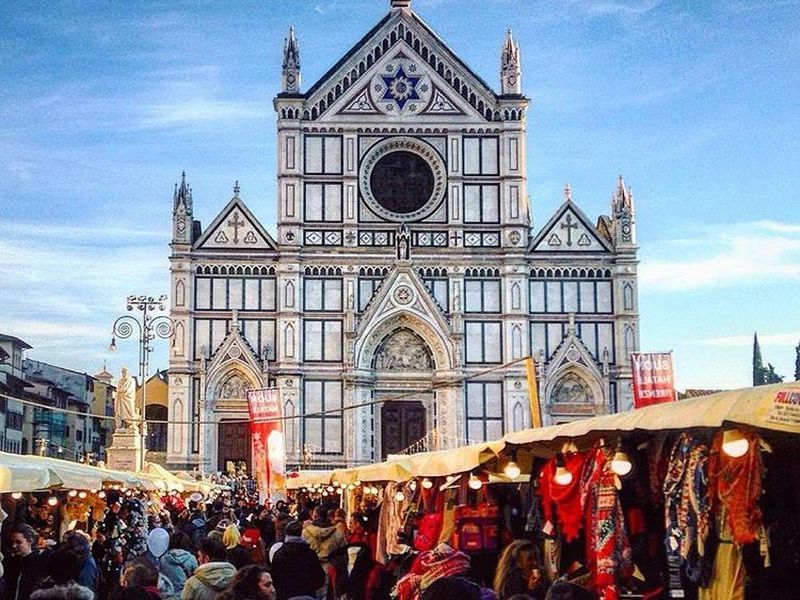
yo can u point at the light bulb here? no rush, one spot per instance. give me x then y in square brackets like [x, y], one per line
[621, 464]
[474, 483]
[101, 494]
[329, 489]
[399, 496]
[427, 484]
[81, 495]
[324, 494]
[356, 483]
[52, 500]
[16, 495]
[734, 444]
[562, 476]
[73, 493]
[512, 470]
[412, 486]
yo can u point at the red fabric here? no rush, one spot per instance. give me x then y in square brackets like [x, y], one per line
[430, 526]
[738, 486]
[477, 528]
[442, 562]
[608, 554]
[566, 501]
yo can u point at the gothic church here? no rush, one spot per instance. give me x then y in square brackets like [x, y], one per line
[404, 261]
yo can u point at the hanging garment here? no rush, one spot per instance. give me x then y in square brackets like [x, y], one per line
[390, 523]
[727, 581]
[608, 553]
[568, 500]
[738, 487]
[687, 506]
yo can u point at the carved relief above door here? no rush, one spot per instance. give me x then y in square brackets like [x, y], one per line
[403, 350]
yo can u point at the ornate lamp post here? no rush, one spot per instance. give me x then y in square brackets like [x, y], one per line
[149, 327]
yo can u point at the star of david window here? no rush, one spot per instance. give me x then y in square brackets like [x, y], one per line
[400, 87]
[402, 179]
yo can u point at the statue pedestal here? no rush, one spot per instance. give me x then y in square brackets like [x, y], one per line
[126, 452]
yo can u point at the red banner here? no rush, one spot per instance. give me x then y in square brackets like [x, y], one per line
[268, 443]
[653, 378]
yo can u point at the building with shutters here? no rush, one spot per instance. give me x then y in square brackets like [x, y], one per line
[403, 261]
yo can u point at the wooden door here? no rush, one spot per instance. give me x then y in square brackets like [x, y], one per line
[233, 445]
[402, 424]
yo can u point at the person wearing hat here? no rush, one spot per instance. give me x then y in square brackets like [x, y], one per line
[295, 566]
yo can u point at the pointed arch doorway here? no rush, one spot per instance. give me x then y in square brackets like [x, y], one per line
[403, 362]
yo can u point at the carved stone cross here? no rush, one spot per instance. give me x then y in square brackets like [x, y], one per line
[236, 223]
[569, 226]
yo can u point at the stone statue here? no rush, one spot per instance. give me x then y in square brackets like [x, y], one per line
[125, 412]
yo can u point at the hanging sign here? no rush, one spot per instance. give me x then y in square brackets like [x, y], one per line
[268, 443]
[653, 378]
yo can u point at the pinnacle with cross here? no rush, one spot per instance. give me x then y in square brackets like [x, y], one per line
[236, 223]
[236, 188]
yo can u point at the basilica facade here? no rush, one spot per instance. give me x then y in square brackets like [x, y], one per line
[404, 282]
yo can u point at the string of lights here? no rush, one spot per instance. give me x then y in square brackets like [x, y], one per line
[401, 396]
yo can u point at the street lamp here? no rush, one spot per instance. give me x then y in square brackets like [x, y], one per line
[149, 327]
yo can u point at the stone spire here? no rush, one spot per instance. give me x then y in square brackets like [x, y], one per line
[510, 69]
[182, 212]
[291, 64]
[400, 4]
[623, 212]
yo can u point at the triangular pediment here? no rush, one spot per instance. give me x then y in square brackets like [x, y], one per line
[235, 228]
[400, 68]
[572, 352]
[402, 290]
[569, 230]
[235, 351]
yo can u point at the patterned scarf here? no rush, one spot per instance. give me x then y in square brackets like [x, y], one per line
[608, 552]
[443, 561]
[738, 483]
[568, 499]
[687, 505]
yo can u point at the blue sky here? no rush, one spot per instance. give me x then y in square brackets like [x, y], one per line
[695, 103]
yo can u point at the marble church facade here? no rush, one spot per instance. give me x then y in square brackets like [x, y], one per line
[404, 261]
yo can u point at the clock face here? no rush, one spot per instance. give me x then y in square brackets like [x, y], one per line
[402, 182]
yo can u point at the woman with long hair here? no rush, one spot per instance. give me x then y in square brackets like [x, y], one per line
[250, 583]
[518, 572]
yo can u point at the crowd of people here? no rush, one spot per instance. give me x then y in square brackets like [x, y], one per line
[231, 548]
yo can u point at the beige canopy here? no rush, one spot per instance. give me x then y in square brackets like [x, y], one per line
[771, 407]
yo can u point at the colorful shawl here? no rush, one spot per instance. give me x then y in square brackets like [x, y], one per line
[687, 505]
[608, 553]
[738, 487]
[568, 499]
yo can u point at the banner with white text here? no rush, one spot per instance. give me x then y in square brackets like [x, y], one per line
[653, 378]
[268, 443]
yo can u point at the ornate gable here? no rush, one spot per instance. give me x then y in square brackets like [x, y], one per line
[235, 354]
[569, 230]
[235, 228]
[404, 303]
[402, 67]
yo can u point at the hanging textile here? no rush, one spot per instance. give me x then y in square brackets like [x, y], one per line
[687, 506]
[390, 523]
[567, 499]
[727, 581]
[608, 553]
[738, 487]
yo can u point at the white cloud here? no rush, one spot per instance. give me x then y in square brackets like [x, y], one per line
[746, 340]
[737, 254]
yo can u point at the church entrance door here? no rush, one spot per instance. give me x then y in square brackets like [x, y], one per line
[233, 447]
[402, 424]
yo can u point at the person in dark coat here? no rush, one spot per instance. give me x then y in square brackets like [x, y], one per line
[195, 527]
[77, 544]
[296, 569]
[25, 567]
